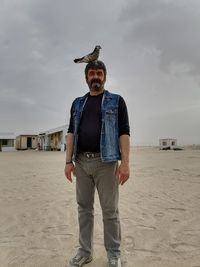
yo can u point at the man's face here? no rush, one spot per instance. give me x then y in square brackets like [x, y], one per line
[95, 79]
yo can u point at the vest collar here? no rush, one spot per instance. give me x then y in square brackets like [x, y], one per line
[107, 95]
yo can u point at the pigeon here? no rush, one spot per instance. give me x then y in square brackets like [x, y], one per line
[90, 57]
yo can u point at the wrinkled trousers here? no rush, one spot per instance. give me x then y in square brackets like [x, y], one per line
[91, 174]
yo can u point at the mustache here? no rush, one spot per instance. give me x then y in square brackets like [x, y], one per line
[95, 82]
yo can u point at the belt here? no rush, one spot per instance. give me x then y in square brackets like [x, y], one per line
[91, 155]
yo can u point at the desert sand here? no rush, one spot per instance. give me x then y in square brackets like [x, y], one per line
[159, 210]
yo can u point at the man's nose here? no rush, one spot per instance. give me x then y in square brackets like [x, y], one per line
[95, 75]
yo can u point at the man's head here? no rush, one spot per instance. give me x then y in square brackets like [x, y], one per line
[95, 74]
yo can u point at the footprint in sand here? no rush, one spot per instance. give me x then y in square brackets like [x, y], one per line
[182, 246]
[176, 209]
[12, 241]
[159, 214]
[145, 252]
[59, 231]
[41, 251]
[147, 227]
[129, 243]
[175, 220]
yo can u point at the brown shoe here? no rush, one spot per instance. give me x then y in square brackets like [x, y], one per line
[79, 260]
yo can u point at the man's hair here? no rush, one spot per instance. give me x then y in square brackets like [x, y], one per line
[97, 64]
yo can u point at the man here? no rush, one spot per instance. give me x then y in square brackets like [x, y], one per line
[98, 136]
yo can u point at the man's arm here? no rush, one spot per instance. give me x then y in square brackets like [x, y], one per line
[124, 142]
[123, 170]
[69, 166]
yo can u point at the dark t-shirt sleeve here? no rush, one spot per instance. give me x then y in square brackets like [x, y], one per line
[71, 127]
[123, 120]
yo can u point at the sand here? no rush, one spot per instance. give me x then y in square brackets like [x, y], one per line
[159, 210]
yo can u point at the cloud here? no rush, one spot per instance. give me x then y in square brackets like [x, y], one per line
[38, 41]
[150, 49]
[171, 27]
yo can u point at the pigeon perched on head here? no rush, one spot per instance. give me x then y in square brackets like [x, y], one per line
[90, 57]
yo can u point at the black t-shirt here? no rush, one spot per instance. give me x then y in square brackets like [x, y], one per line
[90, 126]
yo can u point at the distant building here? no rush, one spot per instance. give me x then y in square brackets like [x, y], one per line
[26, 141]
[53, 139]
[167, 143]
[7, 142]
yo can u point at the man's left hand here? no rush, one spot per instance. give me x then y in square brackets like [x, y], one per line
[123, 173]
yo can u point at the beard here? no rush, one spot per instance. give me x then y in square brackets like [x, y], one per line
[96, 85]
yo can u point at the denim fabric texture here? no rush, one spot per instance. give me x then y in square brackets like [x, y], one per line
[109, 143]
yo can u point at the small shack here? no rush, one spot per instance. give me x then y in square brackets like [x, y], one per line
[26, 141]
[53, 139]
[168, 144]
[7, 142]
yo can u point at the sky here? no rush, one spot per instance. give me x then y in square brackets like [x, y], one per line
[150, 48]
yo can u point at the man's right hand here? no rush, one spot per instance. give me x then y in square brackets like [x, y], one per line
[69, 170]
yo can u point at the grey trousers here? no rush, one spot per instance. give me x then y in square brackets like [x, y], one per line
[92, 173]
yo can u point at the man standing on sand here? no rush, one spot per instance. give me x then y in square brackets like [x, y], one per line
[98, 136]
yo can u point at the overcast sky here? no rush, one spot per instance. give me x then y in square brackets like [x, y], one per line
[150, 48]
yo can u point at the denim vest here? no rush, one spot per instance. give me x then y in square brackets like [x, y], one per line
[109, 143]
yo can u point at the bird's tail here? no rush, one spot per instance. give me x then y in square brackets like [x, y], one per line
[78, 60]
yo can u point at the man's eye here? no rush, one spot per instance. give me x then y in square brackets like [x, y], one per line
[91, 73]
[99, 73]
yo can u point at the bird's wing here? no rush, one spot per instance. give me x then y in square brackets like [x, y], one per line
[90, 57]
